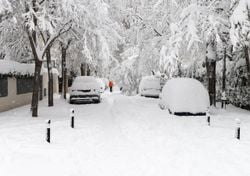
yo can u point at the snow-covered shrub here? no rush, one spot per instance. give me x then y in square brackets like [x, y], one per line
[184, 96]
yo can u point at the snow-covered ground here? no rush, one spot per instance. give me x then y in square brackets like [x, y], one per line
[122, 136]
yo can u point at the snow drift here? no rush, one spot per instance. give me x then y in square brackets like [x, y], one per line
[185, 96]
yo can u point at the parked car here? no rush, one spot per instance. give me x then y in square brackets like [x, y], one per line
[106, 82]
[101, 85]
[85, 88]
[184, 96]
[150, 86]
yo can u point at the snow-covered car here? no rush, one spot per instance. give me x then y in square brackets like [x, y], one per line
[106, 82]
[184, 96]
[150, 86]
[101, 85]
[85, 88]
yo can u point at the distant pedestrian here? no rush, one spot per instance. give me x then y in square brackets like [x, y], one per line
[111, 86]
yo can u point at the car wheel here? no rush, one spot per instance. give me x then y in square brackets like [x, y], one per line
[98, 101]
[70, 102]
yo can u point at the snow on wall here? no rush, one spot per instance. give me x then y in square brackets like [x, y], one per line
[16, 68]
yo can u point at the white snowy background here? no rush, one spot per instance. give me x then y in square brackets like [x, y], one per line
[127, 135]
[123, 136]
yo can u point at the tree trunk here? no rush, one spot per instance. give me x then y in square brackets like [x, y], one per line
[224, 72]
[64, 72]
[65, 84]
[85, 70]
[246, 52]
[50, 77]
[88, 70]
[36, 85]
[211, 74]
[82, 69]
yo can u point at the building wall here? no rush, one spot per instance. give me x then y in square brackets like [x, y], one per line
[13, 100]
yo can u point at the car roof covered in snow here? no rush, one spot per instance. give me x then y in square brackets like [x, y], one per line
[150, 82]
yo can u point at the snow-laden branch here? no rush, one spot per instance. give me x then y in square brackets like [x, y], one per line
[65, 28]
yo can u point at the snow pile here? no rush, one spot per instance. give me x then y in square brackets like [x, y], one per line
[185, 95]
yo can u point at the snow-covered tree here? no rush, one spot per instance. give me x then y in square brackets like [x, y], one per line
[240, 31]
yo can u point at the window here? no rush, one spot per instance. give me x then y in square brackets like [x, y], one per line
[3, 87]
[24, 85]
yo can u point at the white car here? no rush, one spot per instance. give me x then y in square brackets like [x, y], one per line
[150, 86]
[184, 96]
[101, 85]
[85, 88]
[106, 82]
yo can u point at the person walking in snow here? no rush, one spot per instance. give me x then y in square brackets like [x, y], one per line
[111, 86]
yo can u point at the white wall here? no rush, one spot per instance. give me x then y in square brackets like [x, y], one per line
[13, 100]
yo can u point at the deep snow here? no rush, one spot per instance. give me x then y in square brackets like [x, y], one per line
[125, 136]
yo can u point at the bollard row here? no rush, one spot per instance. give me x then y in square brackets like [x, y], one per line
[237, 130]
[72, 124]
[48, 122]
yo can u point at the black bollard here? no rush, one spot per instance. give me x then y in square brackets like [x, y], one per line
[237, 131]
[72, 118]
[208, 118]
[48, 131]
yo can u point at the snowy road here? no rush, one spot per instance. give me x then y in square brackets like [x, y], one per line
[125, 136]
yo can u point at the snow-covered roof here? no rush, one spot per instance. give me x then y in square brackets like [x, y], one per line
[8, 67]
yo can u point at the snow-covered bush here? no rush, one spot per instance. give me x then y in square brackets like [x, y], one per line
[184, 96]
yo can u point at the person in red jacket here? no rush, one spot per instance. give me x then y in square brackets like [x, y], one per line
[111, 86]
